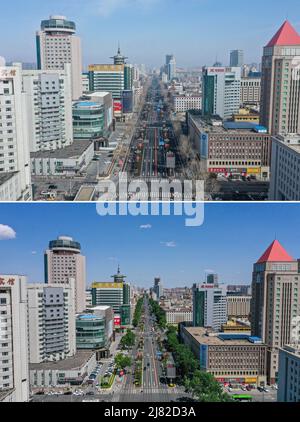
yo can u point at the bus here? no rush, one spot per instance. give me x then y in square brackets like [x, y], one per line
[242, 397]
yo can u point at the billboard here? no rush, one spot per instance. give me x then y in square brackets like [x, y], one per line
[117, 321]
[118, 106]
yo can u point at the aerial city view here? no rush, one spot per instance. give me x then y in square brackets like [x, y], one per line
[139, 317]
[76, 116]
[149, 205]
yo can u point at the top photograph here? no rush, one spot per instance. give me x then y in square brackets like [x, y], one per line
[149, 100]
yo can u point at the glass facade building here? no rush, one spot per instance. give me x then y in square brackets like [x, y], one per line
[88, 120]
[90, 332]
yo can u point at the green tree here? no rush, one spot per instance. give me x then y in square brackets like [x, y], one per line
[205, 388]
[128, 339]
[122, 361]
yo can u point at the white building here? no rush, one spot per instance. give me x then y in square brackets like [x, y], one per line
[63, 262]
[67, 161]
[58, 45]
[14, 383]
[250, 91]
[49, 108]
[183, 103]
[14, 142]
[85, 83]
[67, 372]
[289, 374]
[51, 321]
[209, 306]
[221, 91]
[285, 168]
[176, 316]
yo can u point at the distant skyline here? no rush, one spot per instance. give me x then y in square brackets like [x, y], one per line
[233, 237]
[197, 32]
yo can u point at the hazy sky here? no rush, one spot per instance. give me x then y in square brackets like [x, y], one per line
[196, 31]
[233, 237]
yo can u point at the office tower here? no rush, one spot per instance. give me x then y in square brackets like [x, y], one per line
[51, 321]
[236, 58]
[64, 261]
[115, 294]
[14, 383]
[209, 306]
[58, 45]
[15, 179]
[105, 99]
[275, 301]
[289, 374]
[250, 91]
[213, 279]
[285, 175]
[158, 288]
[171, 67]
[109, 78]
[280, 98]
[49, 108]
[221, 91]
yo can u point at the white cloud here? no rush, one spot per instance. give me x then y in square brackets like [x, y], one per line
[146, 226]
[33, 252]
[171, 244]
[108, 7]
[6, 232]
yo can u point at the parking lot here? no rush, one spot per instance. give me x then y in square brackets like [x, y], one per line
[267, 394]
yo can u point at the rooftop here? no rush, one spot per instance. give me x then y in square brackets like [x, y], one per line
[69, 364]
[215, 125]
[275, 253]
[286, 35]
[72, 151]
[220, 339]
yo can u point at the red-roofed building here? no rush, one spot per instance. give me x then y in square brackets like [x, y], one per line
[280, 94]
[275, 301]
[275, 253]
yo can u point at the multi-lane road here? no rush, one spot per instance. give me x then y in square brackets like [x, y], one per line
[154, 140]
[152, 389]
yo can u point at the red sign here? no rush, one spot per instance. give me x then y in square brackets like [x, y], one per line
[117, 321]
[10, 282]
[217, 170]
[118, 106]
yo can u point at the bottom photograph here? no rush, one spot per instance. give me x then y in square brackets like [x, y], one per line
[145, 308]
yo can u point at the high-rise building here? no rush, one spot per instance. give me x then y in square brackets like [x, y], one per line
[289, 374]
[63, 262]
[115, 294]
[49, 108]
[221, 88]
[88, 120]
[158, 288]
[171, 67]
[212, 278]
[236, 58]
[250, 91]
[280, 98]
[58, 45]
[275, 302]
[51, 321]
[209, 306]
[14, 382]
[109, 78]
[15, 179]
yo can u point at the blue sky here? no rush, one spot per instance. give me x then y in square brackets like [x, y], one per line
[196, 31]
[233, 237]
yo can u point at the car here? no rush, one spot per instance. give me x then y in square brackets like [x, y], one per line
[68, 393]
[90, 393]
[172, 385]
[260, 389]
[266, 390]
